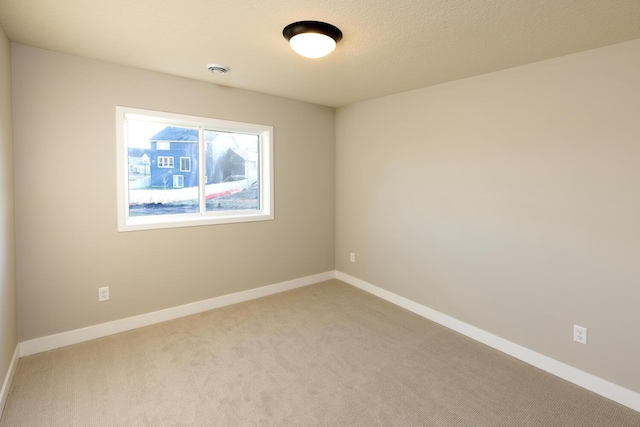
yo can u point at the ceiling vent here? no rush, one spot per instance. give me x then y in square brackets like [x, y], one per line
[217, 68]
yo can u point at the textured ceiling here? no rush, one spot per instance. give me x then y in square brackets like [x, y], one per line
[388, 47]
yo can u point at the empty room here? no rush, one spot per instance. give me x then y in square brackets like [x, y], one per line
[292, 213]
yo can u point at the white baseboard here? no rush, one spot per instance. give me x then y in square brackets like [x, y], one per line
[583, 379]
[6, 385]
[51, 342]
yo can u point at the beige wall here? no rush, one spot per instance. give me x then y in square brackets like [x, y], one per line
[510, 201]
[8, 312]
[65, 173]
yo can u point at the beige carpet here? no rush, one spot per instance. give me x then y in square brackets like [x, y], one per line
[324, 355]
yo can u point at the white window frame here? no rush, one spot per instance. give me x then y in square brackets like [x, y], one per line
[203, 217]
[180, 179]
[188, 161]
[165, 162]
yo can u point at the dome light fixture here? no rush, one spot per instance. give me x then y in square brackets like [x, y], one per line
[312, 39]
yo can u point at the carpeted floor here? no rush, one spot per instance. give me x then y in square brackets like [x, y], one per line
[323, 355]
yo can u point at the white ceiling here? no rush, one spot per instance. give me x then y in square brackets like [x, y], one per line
[388, 46]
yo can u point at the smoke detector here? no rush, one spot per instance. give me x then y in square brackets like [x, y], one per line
[217, 68]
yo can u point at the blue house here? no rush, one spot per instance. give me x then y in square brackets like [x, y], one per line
[174, 158]
[173, 155]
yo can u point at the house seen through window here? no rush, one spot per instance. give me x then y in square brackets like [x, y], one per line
[177, 170]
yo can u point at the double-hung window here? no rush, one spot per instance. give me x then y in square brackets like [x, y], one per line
[185, 164]
[176, 170]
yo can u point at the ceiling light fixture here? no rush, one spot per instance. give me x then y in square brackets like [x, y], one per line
[312, 39]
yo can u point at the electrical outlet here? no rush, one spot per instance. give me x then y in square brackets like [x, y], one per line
[352, 257]
[103, 294]
[580, 334]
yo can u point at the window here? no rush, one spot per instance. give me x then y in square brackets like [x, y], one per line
[165, 162]
[185, 164]
[224, 174]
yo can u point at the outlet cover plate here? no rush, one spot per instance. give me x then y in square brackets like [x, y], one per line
[103, 294]
[580, 334]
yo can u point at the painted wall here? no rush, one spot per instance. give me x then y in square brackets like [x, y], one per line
[510, 201]
[8, 312]
[66, 226]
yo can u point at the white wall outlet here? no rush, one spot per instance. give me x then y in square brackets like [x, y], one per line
[103, 294]
[352, 257]
[580, 334]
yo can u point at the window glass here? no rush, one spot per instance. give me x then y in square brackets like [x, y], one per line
[232, 172]
[158, 189]
[183, 170]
